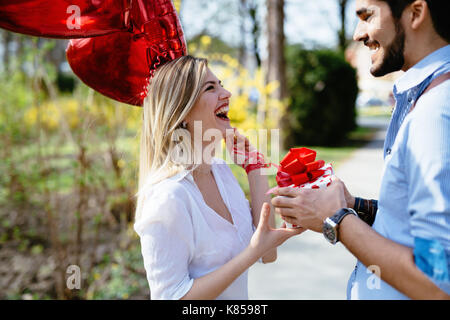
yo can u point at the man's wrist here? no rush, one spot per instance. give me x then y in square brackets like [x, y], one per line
[330, 227]
[351, 202]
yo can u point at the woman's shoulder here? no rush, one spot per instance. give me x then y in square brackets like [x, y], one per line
[167, 202]
[167, 189]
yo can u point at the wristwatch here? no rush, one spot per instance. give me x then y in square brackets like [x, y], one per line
[331, 224]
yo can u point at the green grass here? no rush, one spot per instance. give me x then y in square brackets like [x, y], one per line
[376, 111]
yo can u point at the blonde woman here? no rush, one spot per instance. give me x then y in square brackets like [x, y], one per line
[196, 226]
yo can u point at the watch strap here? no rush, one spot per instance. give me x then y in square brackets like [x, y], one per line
[341, 213]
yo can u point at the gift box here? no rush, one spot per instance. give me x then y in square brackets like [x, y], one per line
[300, 169]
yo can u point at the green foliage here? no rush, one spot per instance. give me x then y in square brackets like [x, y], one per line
[323, 89]
[120, 276]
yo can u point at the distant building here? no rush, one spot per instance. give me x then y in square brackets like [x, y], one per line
[370, 88]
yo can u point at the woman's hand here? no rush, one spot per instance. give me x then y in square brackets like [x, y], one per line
[266, 238]
[239, 147]
[243, 152]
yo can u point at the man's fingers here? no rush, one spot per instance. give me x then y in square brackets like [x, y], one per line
[289, 212]
[286, 191]
[282, 202]
[289, 219]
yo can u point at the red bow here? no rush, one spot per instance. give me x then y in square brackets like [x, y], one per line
[124, 40]
[298, 167]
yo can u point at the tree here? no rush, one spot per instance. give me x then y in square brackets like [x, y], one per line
[323, 89]
[276, 62]
[342, 35]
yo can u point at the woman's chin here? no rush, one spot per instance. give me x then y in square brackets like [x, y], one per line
[223, 124]
[226, 130]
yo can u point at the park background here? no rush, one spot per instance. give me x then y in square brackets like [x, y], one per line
[68, 166]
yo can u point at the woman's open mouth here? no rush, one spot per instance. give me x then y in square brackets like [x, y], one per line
[222, 112]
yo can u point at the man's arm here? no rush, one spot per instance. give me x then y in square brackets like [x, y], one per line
[309, 208]
[395, 261]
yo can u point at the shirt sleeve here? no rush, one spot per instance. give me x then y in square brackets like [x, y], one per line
[167, 245]
[427, 159]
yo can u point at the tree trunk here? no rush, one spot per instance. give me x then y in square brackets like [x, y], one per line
[242, 18]
[276, 63]
[253, 10]
[7, 39]
[342, 36]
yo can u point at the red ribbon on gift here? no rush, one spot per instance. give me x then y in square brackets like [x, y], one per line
[298, 167]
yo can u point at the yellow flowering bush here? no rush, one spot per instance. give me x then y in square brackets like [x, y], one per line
[250, 105]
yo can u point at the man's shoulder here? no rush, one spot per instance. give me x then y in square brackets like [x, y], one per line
[436, 101]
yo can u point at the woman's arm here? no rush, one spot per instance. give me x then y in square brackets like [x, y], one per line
[258, 187]
[265, 238]
[257, 181]
[210, 286]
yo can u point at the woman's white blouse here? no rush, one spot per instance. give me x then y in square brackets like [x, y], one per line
[182, 238]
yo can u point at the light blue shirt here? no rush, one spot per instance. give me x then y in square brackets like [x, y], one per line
[414, 203]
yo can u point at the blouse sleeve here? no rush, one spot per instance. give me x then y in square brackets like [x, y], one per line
[167, 245]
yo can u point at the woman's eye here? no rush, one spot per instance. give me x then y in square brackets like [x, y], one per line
[209, 88]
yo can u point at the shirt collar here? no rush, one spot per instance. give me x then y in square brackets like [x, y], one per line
[188, 173]
[182, 174]
[424, 68]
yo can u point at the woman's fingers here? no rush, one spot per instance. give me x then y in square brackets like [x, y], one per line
[264, 216]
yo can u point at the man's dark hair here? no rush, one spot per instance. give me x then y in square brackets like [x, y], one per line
[439, 10]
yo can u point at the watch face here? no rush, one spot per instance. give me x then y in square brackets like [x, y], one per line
[329, 232]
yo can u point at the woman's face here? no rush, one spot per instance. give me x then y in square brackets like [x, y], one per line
[211, 107]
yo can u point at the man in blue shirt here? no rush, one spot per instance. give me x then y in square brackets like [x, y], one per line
[408, 245]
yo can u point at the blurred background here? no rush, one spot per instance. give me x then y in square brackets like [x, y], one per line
[68, 166]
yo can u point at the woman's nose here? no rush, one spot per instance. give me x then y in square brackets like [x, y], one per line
[225, 94]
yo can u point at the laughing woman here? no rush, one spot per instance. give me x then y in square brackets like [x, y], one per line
[197, 230]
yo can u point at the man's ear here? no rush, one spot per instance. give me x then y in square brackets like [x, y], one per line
[418, 12]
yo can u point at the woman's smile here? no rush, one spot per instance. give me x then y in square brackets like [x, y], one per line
[222, 112]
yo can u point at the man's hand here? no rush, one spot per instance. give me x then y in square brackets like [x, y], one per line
[308, 208]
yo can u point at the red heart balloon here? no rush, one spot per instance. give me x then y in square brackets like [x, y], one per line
[124, 40]
[119, 65]
[65, 18]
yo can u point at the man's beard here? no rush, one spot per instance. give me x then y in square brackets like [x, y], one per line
[394, 59]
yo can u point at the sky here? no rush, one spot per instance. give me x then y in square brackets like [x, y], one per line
[311, 22]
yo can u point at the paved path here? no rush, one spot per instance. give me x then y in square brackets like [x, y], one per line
[308, 267]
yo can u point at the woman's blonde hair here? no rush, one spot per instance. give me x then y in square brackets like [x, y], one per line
[172, 93]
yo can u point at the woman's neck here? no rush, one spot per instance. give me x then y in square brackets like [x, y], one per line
[203, 169]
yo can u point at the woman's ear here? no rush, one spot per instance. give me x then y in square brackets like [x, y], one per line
[419, 10]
